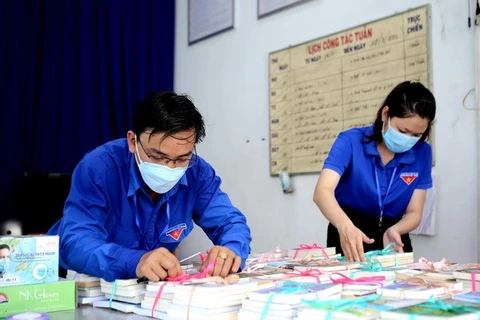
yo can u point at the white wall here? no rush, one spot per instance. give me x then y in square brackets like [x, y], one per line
[227, 76]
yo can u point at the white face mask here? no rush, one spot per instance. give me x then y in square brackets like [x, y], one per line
[158, 177]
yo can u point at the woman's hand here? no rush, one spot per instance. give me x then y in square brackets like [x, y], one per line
[392, 235]
[351, 240]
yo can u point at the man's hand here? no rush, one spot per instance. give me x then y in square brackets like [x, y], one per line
[351, 240]
[392, 235]
[158, 264]
[225, 261]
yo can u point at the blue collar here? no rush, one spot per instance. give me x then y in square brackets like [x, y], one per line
[136, 181]
[370, 148]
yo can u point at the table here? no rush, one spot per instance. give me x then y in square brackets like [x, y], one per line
[91, 313]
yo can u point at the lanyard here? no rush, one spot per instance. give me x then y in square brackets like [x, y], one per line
[381, 202]
[137, 222]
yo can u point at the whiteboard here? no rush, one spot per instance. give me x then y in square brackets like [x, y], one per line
[320, 88]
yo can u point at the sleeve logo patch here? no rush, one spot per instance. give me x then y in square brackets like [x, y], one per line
[408, 177]
[176, 232]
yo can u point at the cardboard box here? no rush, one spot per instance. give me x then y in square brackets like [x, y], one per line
[28, 260]
[41, 297]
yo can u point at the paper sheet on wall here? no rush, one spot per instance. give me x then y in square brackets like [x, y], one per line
[428, 224]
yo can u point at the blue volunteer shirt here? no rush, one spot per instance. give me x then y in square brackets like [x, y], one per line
[110, 221]
[359, 163]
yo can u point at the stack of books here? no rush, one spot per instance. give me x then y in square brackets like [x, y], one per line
[212, 300]
[283, 301]
[313, 251]
[121, 295]
[431, 279]
[470, 277]
[88, 287]
[156, 300]
[360, 309]
[411, 291]
[393, 259]
[432, 311]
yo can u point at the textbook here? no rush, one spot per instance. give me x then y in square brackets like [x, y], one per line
[128, 290]
[313, 251]
[470, 297]
[467, 274]
[363, 310]
[328, 266]
[393, 259]
[410, 291]
[432, 311]
[293, 293]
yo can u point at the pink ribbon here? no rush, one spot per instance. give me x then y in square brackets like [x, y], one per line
[424, 264]
[473, 277]
[306, 273]
[253, 264]
[346, 280]
[181, 279]
[310, 247]
[204, 257]
[157, 297]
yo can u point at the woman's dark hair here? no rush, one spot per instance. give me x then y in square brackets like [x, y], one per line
[168, 112]
[407, 99]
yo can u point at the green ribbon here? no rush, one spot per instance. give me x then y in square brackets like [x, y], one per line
[370, 264]
[339, 304]
[112, 293]
[289, 287]
[438, 304]
[389, 249]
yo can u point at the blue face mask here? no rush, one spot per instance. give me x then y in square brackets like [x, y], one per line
[158, 177]
[398, 142]
[3, 265]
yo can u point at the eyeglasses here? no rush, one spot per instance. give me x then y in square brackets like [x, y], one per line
[181, 162]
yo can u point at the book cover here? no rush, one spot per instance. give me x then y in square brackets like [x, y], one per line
[293, 293]
[471, 297]
[467, 274]
[429, 310]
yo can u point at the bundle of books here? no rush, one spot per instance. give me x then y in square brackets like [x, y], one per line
[88, 288]
[361, 309]
[317, 284]
[469, 276]
[321, 265]
[312, 250]
[432, 311]
[354, 288]
[392, 259]
[121, 295]
[210, 300]
[430, 279]
[284, 301]
[156, 300]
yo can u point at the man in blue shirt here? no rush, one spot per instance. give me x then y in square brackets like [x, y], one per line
[133, 200]
[373, 184]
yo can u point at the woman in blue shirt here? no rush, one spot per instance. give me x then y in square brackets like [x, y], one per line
[374, 181]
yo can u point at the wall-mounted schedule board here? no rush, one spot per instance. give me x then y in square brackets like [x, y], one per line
[322, 87]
